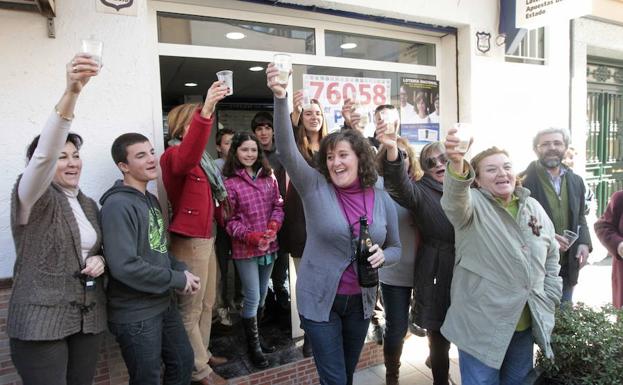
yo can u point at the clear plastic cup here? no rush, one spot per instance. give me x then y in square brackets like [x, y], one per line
[570, 236]
[364, 114]
[307, 99]
[465, 134]
[227, 76]
[283, 62]
[94, 48]
[390, 116]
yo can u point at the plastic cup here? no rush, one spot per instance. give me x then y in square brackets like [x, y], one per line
[362, 110]
[283, 62]
[227, 76]
[94, 48]
[465, 134]
[570, 236]
[307, 99]
[390, 116]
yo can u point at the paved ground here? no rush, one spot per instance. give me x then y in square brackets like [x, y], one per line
[593, 288]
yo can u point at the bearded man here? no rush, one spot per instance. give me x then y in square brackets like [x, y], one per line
[561, 193]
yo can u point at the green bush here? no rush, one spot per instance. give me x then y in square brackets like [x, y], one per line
[588, 347]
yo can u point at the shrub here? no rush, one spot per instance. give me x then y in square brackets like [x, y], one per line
[588, 347]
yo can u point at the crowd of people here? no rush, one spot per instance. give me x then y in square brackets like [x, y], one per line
[474, 250]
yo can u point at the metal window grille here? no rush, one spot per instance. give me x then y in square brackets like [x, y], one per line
[531, 50]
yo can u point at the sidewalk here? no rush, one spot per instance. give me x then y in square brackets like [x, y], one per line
[413, 371]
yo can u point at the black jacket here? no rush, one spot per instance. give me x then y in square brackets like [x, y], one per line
[575, 192]
[434, 264]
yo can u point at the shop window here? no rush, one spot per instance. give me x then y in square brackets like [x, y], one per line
[228, 33]
[348, 45]
[531, 49]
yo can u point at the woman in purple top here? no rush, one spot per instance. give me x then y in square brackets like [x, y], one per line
[334, 309]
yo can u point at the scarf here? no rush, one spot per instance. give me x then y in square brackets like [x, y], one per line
[211, 170]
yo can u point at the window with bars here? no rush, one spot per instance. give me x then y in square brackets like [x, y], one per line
[531, 50]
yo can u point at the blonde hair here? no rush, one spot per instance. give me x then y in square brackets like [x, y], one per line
[179, 117]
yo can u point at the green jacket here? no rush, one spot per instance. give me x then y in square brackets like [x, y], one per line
[500, 265]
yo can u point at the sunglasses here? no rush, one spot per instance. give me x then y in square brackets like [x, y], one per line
[430, 163]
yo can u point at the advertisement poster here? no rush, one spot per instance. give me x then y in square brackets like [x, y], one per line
[331, 91]
[419, 110]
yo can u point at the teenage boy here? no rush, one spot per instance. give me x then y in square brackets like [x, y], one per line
[141, 313]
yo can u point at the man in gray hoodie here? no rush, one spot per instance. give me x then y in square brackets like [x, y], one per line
[142, 312]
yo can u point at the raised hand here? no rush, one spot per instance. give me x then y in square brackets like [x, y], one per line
[216, 93]
[452, 153]
[272, 81]
[79, 71]
[388, 140]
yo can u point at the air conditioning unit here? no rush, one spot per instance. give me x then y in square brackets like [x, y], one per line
[46, 8]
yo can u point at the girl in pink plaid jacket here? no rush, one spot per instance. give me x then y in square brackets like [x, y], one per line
[256, 214]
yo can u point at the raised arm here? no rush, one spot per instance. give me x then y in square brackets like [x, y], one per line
[456, 200]
[40, 169]
[195, 140]
[300, 172]
[397, 182]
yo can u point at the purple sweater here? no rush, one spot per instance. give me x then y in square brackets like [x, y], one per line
[354, 203]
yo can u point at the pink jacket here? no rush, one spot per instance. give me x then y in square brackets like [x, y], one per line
[253, 203]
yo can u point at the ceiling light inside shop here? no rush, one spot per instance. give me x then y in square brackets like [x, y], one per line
[256, 68]
[235, 35]
[348, 45]
[190, 84]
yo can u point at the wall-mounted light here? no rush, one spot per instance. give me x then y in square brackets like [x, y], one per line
[190, 84]
[348, 45]
[256, 68]
[235, 35]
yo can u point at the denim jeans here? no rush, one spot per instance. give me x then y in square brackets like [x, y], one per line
[254, 278]
[337, 343]
[567, 293]
[515, 368]
[160, 339]
[396, 300]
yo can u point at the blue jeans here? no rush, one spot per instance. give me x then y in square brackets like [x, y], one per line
[254, 280]
[160, 339]
[567, 293]
[396, 300]
[515, 367]
[337, 343]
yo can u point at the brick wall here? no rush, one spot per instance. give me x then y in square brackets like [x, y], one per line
[111, 369]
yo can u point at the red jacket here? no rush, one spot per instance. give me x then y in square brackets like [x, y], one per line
[187, 184]
[253, 203]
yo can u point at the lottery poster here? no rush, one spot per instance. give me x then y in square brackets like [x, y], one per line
[419, 110]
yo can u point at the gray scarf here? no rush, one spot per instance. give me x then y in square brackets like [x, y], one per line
[214, 174]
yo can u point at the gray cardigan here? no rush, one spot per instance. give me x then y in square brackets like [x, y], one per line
[328, 247]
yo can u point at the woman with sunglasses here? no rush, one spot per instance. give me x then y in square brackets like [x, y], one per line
[435, 261]
[334, 308]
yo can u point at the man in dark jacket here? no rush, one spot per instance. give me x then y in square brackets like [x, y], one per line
[561, 193]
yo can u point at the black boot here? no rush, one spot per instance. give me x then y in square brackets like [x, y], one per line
[307, 347]
[266, 348]
[253, 342]
[392, 364]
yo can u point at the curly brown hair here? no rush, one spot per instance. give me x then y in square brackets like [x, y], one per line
[363, 150]
[232, 164]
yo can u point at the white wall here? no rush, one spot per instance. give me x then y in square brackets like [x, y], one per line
[32, 79]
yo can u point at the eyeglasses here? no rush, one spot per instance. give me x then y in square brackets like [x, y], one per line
[555, 144]
[430, 163]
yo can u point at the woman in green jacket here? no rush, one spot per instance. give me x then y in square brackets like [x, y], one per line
[505, 287]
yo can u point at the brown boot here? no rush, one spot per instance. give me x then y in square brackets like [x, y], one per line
[392, 364]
